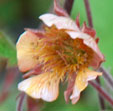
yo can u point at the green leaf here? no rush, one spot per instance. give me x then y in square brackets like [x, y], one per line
[7, 49]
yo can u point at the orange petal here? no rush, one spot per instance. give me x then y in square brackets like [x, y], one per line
[27, 51]
[59, 21]
[81, 82]
[44, 86]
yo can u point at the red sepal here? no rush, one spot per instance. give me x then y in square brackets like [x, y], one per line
[37, 70]
[70, 86]
[59, 11]
[88, 30]
[97, 40]
[40, 34]
[78, 21]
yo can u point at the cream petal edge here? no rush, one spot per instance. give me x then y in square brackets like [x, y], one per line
[24, 51]
[88, 40]
[76, 92]
[59, 21]
[48, 94]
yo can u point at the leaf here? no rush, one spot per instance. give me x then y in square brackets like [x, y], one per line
[7, 49]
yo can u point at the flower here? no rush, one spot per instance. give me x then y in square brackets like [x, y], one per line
[61, 52]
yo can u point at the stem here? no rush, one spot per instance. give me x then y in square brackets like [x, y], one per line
[102, 92]
[88, 10]
[89, 16]
[68, 5]
[20, 101]
[107, 76]
[101, 100]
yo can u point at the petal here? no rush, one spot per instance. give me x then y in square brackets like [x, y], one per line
[90, 42]
[27, 51]
[44, 86]
[59, 21]
[81, 82]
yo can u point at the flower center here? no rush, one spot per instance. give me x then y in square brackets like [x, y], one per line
[60, 51]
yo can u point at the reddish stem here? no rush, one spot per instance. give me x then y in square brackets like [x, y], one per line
[21, 100]
[88, 10]
[107, 76]
[68, 5]
[102, 92]
[101, 100]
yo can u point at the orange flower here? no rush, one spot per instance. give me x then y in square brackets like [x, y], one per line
[62, 50]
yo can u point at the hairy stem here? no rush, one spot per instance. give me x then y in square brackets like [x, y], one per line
[20, 102]
[90, 22]
[101, 100]
[107, 77]
[102, 92]
[68, 5]
[88, 11]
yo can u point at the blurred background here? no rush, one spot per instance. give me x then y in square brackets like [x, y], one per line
[15, 15]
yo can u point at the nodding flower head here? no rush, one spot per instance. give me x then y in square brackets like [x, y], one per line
[62, 50]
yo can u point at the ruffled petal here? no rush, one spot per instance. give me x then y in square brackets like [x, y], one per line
[81, 82]
[90, 42]
[59, 21]
[27, 51]
[44, 86]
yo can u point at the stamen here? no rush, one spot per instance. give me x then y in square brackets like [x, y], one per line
[62, 57]
[59, 51]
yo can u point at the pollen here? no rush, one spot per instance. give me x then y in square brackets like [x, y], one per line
[61, 54]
